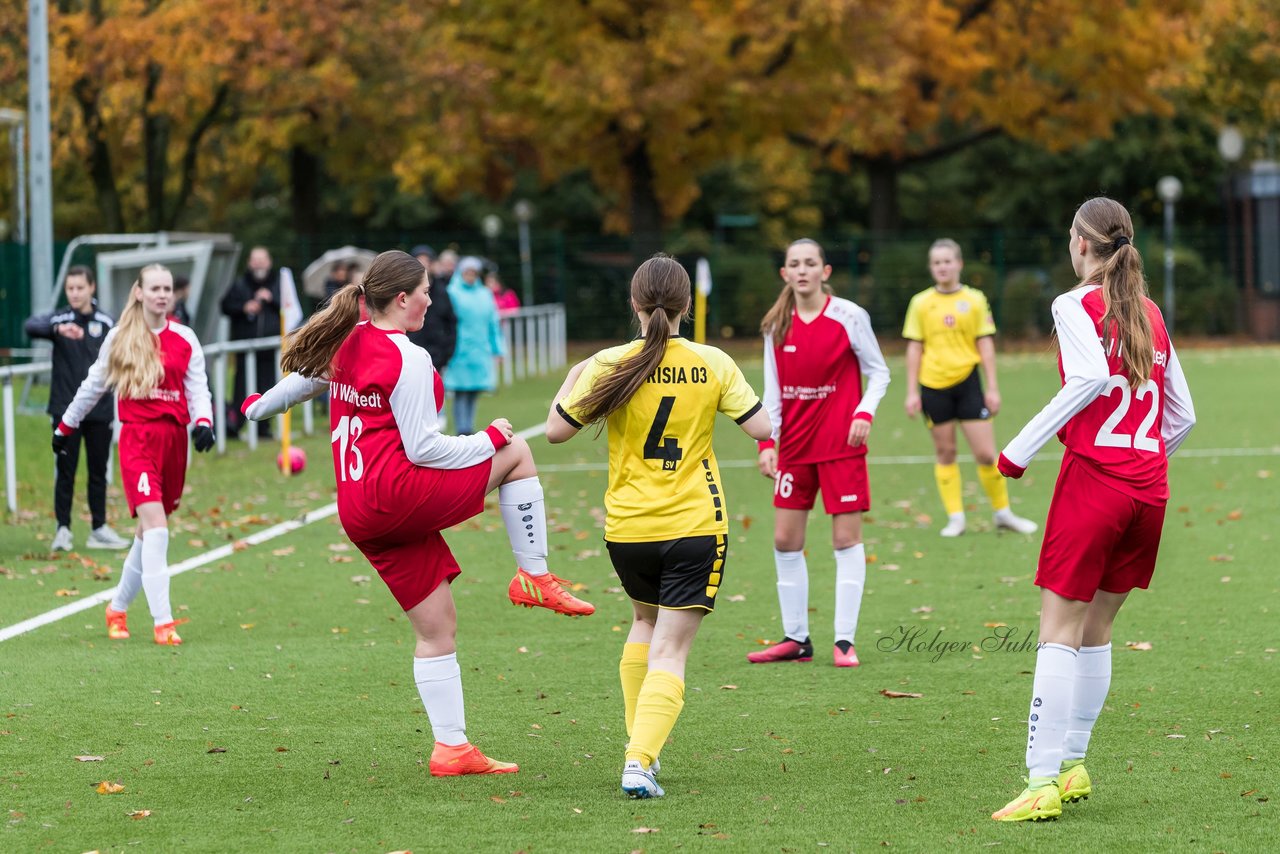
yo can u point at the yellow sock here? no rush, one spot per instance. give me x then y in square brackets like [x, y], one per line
[659, 704]
[948, 478]
[994, 485]
[632, 669]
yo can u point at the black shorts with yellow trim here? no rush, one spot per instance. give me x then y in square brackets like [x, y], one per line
[963, 401]
[682, 573]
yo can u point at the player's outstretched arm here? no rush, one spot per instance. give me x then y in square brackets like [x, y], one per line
[559, 426]
[290, 391]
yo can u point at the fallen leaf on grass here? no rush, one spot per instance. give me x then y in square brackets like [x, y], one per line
[923, 609]
[88, 758]
[138, 814]
[497, 800]
[247, 626]
[339, 547]
[216, 750]
[239, 546]
[644, 830]
[1235, 515]
[1142, 646]
[728, 687]
[360, 579]
[996, 625]
[106, 787]
[1175, 735]
[894, 695]
[65, 591]
[283, 552]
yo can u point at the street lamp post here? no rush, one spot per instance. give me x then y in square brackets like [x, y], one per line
[1231, 147]
[1169, 189]
[523, 210]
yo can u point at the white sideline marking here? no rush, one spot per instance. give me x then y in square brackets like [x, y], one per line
[177, 569]
[328, 510]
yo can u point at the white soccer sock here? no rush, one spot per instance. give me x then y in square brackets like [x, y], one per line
[439, 682]
[1050, 706]
[793, 593]
[155, 574]
[130, 578]
[526, 520]
[1092, 682]
[851, 578]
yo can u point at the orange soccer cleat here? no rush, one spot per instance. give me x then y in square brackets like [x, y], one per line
[449, 761]
[545, 591]
[117, 627]
[167, 634]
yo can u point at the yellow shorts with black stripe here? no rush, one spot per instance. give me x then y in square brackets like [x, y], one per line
[681, 573]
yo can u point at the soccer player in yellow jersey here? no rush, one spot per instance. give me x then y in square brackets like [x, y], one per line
[950, 332]
[666, 522]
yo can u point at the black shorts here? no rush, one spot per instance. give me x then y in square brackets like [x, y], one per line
[963, 400]
[683, 573]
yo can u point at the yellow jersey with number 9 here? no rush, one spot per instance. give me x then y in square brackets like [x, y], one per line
[663, 479]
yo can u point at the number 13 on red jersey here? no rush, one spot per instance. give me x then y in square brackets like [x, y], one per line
[344, 436]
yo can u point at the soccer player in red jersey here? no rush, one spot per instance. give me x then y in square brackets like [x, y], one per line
[817, 349]
[401, 481]
[1123, 409]
[156, 368]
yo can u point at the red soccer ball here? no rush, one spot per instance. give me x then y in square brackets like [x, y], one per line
[297, 460]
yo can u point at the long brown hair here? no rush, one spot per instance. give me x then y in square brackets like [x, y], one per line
[660, 288]
[777, 320]
[134, 366]
[311, 349]
[1125, 324]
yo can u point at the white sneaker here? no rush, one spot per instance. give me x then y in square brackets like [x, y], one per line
[105, 538]
[637, 782]
[62, 541]
[1009, 522]
[955, 526]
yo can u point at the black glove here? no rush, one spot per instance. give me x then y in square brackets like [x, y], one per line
[60, 443]
[202, 437]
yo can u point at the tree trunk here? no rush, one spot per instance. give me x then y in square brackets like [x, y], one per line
[304, 181]
[100, 170]
[155, 141]
[646, 213]
[883, 175]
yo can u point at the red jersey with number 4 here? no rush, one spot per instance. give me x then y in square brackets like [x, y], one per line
[813, 382]
[1123, 434]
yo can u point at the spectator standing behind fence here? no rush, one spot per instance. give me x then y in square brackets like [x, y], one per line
[181, 290]
[503, 297]
[439, 332]
[480, 344]
[77, 333]
[253, 304]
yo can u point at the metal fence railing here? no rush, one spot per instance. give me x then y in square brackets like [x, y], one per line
[535, 339]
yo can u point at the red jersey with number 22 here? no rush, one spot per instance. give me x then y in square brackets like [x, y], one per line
[1124, 435]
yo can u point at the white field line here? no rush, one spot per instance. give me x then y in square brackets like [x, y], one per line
[329, 509]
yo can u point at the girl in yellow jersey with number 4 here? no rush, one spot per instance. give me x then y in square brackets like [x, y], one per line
[666, 521]
[950, 332]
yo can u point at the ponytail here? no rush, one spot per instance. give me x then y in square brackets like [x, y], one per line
[310, 350]
[661, 289]
[1126, 325]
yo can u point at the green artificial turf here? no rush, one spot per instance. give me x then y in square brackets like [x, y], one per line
[289, 719]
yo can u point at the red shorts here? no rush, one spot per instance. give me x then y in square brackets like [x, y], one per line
[843, 483]
[1096, 537]
[153, 463]
[405, 545]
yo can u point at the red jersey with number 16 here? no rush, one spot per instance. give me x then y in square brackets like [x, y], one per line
[1124, 435]
[813, 382]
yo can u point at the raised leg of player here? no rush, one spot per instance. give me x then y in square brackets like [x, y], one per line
[515, 476]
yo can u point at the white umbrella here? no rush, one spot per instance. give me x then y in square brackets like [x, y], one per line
[317, 271]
